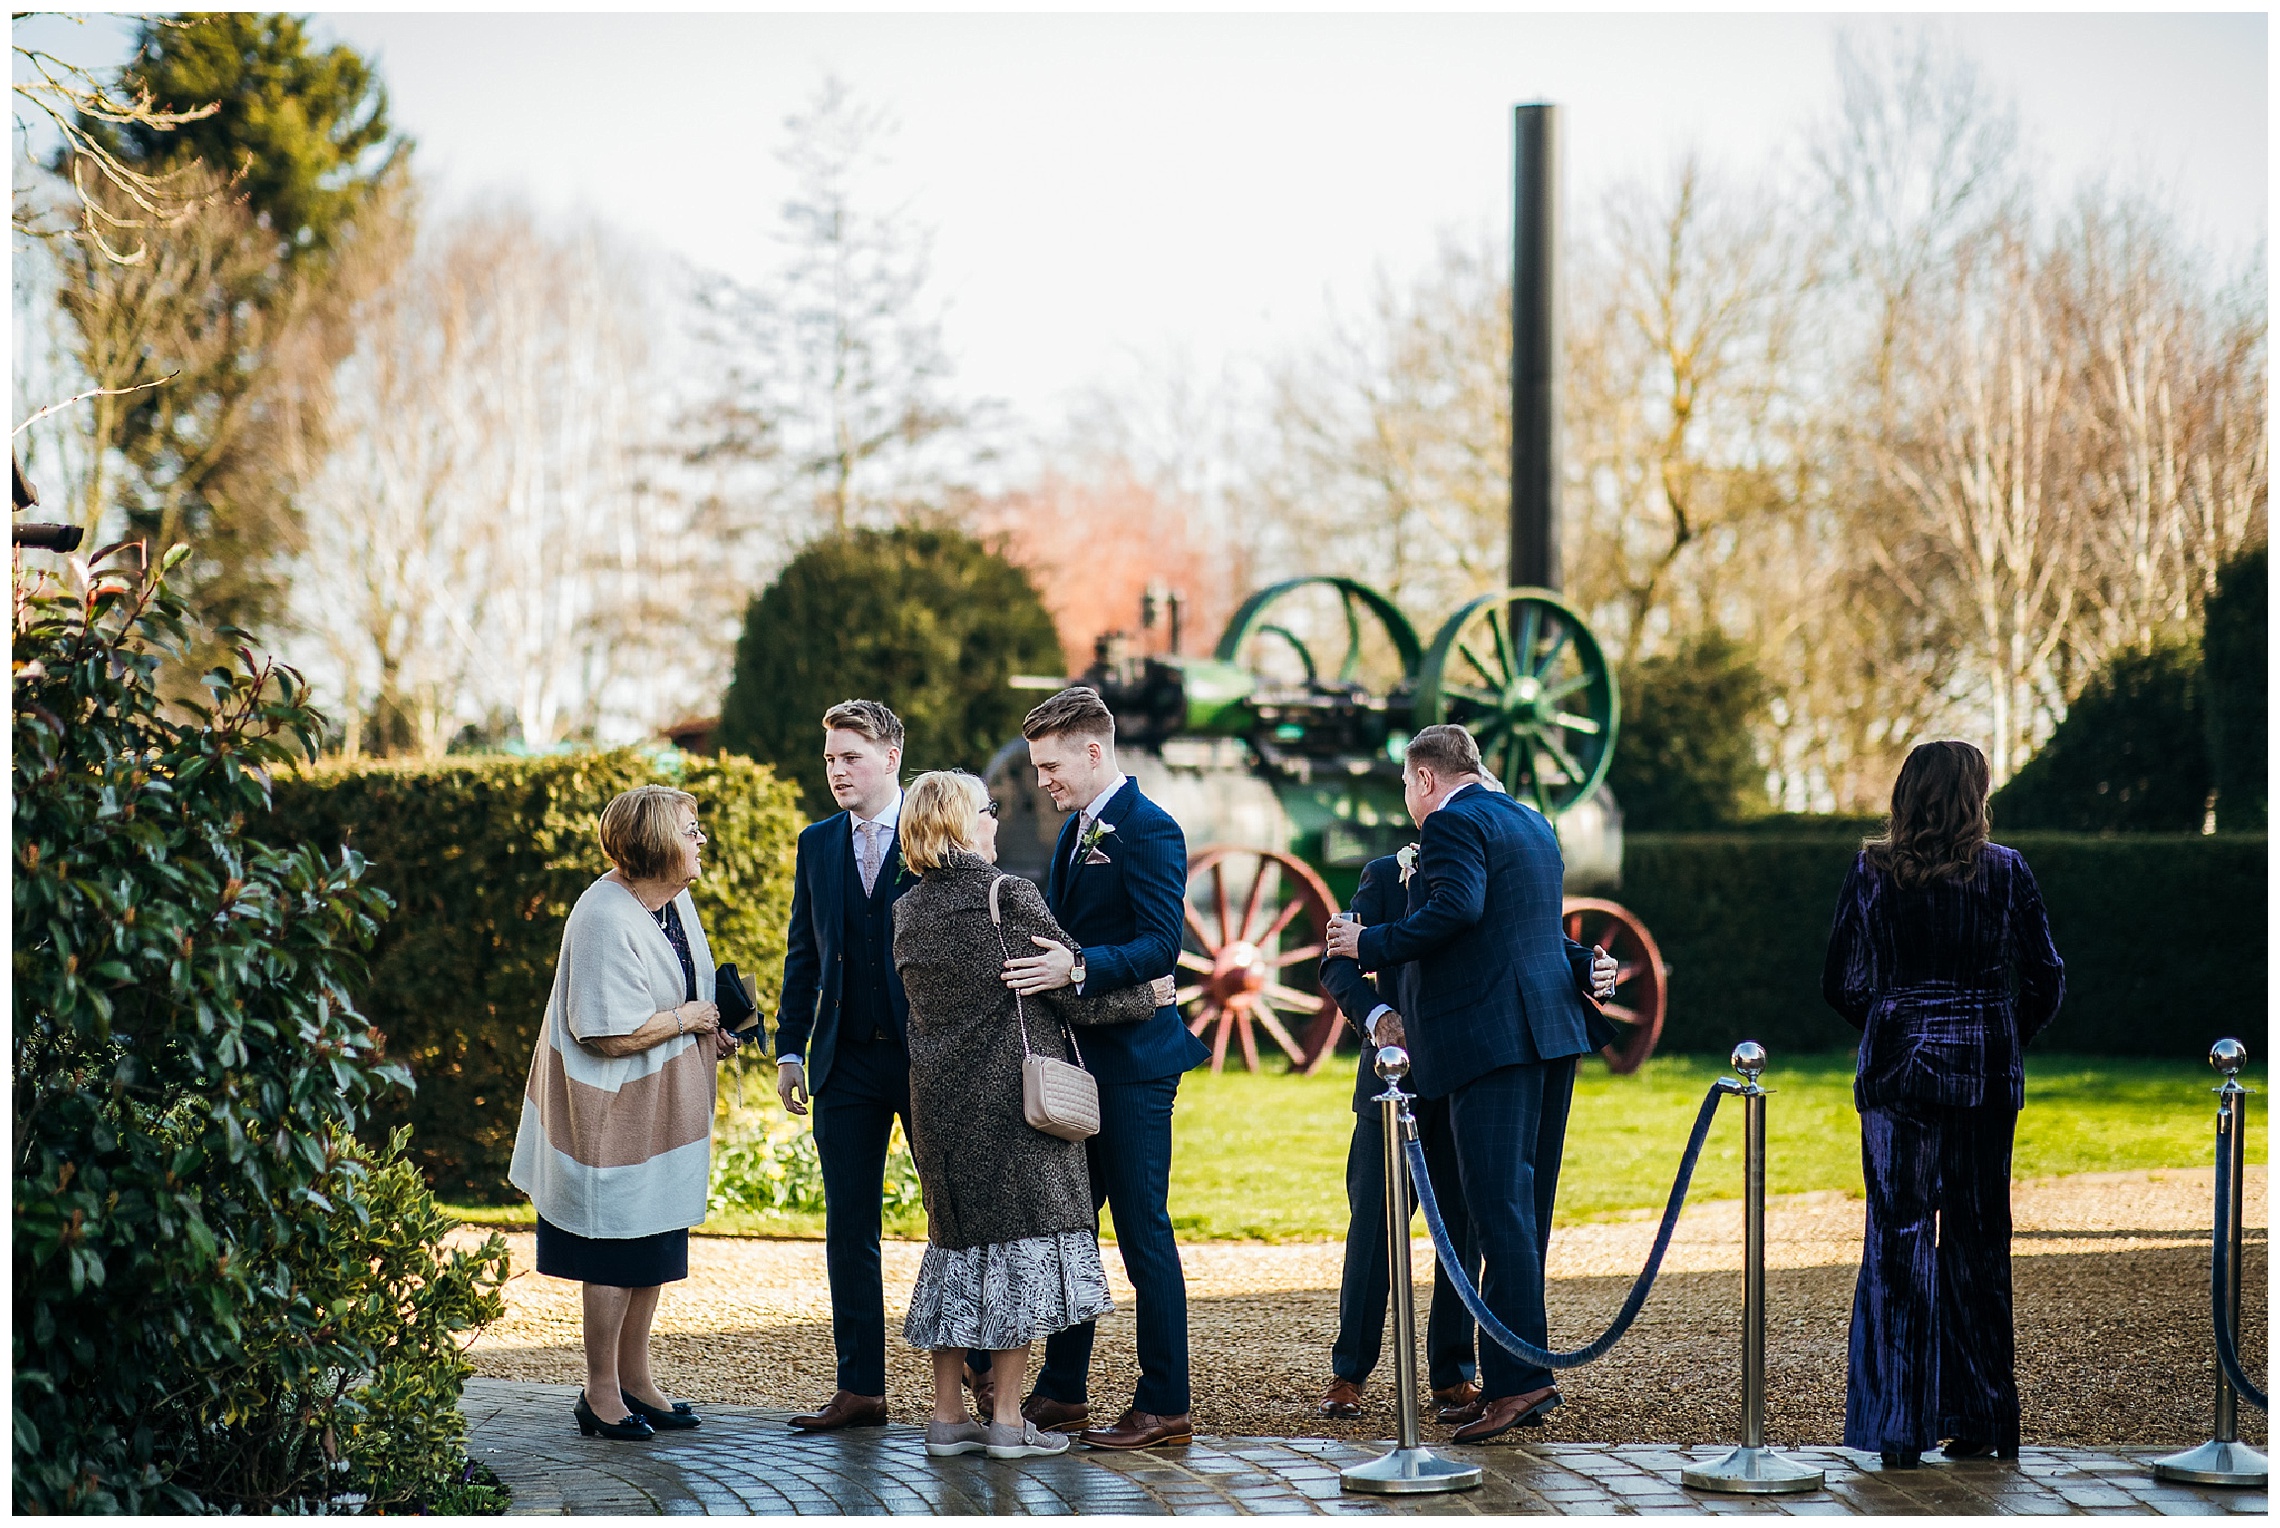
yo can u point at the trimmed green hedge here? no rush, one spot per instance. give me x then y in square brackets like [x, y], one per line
[484, 858]
[2163, 936]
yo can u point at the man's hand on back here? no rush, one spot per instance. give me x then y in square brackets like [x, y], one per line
[1344, 941]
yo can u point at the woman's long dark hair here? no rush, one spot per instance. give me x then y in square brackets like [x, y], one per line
[1939, 815]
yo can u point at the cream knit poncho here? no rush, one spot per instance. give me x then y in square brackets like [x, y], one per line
[617, 1148]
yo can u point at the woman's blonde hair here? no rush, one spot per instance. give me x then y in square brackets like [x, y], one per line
[939, 814]
[641, 831]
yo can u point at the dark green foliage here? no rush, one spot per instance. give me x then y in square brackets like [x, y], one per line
[211, 1284]
[485, 858]
[2234, 647]
[925, 619]
[2131, 756]
[1743, 921]
[298, 129]
[1686, 760]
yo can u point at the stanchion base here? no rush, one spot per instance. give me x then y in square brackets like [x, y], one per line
[1753, 1472]
[1410, 1472]
[2213, 1464]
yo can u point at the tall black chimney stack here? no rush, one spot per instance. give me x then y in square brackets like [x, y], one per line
[1536, 346]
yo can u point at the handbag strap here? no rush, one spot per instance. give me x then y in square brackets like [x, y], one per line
[1019, 1017]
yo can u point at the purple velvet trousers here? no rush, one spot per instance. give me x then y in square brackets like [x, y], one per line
[1931, 1351]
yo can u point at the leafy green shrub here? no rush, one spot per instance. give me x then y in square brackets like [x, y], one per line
[2234, 645]
[926, 619]
[485, 857]
[764, 1161]
[212, 1285]
[2131, 756]
[1743, 921]
[1687, 760]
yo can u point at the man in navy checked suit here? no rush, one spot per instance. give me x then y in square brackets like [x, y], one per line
[1500, 1019]
[1119, 886]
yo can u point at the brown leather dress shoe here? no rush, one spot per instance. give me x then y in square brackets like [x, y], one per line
[1459, 1403]
[1505, 1412]
[1343, 1398]
[984, 1390]
[1140, 1429]
[847, 1409]
[1055, 1416]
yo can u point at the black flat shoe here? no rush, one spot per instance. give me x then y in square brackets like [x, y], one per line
[1902, 1458]
[682, 1414]
[632, 1430]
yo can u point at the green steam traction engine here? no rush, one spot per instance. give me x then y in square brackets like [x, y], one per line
[1280, 756]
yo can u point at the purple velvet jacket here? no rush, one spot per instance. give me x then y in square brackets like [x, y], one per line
[1927, 976]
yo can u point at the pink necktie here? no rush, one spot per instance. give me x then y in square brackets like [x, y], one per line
[868, 862]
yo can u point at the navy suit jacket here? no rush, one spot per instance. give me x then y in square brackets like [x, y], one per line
[1129, 915]
[1380, 898]
[1928, 973]
[807, 1018]
[1498, 981]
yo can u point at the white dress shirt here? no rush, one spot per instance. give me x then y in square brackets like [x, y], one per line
[1085, 819]
[887, 820]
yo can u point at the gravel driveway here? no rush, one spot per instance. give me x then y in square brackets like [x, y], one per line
[2110, 1273]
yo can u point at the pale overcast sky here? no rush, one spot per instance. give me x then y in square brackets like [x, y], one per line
[1104, 185]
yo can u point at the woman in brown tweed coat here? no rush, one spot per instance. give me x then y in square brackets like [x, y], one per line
[1012, 1252]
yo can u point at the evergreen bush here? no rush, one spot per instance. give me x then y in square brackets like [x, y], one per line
[2235, 648]
[924, 618]
[484, 858]
[1743, 921]
[1687, 761]
[2131, 757]
[221, 1301]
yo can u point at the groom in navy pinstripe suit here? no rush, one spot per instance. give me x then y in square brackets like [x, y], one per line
[1500, 1018]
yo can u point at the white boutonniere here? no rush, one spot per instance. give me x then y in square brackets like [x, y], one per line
[1407, 859]
[1089, 841]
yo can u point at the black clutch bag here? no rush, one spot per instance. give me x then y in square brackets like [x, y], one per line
[734, 999]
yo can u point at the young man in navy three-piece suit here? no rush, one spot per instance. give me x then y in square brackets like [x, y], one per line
[1118, 885]
[840, 1035]
[1500, 1017]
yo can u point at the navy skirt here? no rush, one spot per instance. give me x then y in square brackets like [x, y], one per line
[634, 1263]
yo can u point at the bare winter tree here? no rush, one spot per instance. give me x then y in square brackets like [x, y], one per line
[840, 383]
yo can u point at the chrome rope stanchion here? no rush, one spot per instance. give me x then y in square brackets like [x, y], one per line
[1411, 1468]
[1753, 1468]
[2224, 1460]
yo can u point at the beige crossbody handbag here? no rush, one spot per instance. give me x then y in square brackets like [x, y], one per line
[1057, 1098]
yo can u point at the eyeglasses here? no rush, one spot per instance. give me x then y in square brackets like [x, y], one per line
[989, 808]
[695, 834]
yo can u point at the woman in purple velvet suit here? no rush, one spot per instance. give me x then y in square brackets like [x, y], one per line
[1942, 957]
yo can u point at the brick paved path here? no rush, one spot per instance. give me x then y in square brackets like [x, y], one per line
[744, 1460]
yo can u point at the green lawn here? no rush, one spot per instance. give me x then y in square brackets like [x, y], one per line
[1263, 1158]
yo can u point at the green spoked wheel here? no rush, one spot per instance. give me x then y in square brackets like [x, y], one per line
[1525, 676]
[1310, 620]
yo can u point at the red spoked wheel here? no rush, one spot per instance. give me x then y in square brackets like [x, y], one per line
[1642, 981]
[1253, 960]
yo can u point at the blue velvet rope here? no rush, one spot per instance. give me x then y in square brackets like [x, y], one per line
[1503, 1336]
[2219, 1307]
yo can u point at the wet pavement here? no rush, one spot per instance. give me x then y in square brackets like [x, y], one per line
[745, 1460]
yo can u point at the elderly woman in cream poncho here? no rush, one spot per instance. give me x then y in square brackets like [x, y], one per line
[615, 1146]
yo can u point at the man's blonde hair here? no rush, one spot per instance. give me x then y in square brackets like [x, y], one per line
[641, 831]
[865, 718]
[940, 814]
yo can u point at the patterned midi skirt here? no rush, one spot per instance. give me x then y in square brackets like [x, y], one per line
[1007, 1294]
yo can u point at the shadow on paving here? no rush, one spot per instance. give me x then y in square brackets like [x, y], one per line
[1259, 1361]
[743, 1460]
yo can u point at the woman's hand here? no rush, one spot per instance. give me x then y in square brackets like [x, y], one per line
[699, 1018]
[724, 1045]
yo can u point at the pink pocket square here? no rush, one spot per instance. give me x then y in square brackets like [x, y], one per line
[1095, 857]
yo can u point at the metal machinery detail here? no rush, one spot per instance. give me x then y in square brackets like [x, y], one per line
[1280, 756]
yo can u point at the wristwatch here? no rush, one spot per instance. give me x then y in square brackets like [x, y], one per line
[1077, 974]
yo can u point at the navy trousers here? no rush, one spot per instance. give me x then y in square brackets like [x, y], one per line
[1131, 1164]
[1365, 1290]
[1931, 1352]
[1510, 1127]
